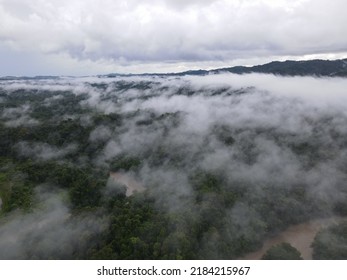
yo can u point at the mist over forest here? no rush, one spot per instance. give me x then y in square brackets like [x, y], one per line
[151, 167]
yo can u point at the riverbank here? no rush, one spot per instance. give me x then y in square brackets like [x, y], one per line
[299, 236]
[124, 179]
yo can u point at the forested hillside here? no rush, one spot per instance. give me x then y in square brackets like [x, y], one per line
[215, 164]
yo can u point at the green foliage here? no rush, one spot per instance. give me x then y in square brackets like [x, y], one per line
[15, 192]
[283, 251]
[21, 196]
[331, 243]
[136, 231]
[205, 182]
[84, 185]
[205, 223]
[112, 119]
[85, 192]
[125, 163]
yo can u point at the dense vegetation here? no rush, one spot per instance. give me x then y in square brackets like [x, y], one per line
[331, 243]
[283, 251]
[214, 188]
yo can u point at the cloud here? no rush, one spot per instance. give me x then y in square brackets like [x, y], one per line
[44, 151]
[125, 33]
[99, 134]
[18, 116]
[48, 232]
[249, 129]
[275, 146]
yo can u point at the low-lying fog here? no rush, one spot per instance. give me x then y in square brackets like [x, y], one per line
[274, 137]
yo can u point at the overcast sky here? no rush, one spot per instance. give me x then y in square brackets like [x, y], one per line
[86, 37]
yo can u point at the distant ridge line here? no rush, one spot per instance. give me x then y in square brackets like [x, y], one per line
[316, 67]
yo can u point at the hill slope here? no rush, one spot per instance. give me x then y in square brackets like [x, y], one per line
[317, 67]
[294, 68]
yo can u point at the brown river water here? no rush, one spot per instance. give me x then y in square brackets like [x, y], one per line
[299, 236]
[131, 184]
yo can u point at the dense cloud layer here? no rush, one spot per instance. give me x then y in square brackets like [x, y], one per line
[49, 231]
[298, 110]
[277, 144]
[43, 151]
[90, 37]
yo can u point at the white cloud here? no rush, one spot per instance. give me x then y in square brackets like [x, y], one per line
[43, 151]
[287, 133]
[50, 231]
[121, 34]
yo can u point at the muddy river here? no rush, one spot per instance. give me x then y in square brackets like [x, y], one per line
[299, 236]
[131, 184]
